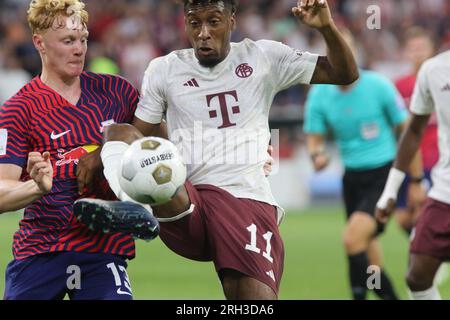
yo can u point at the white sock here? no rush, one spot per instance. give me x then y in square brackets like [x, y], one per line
[429, 294]
[112, 154]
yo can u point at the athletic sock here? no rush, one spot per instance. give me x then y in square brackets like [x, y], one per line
[386, 290]
[358, 265]
[112, 154]
[429, 294]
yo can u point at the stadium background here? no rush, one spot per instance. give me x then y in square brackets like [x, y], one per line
[126, 35]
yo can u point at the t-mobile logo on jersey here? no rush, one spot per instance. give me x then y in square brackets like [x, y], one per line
[222, 98]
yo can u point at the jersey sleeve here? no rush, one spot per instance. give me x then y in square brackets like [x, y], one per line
[14, 146]
[314, 119]
[153, 102]
[289, 66]
[393, 103]
[422, 102]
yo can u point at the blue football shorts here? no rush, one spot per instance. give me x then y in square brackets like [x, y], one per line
[82, 276]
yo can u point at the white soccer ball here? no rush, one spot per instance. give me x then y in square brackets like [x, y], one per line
[152, 170]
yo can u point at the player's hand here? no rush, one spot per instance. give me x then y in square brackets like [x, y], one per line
[320, 161]
[88, 167]
[416, 196]
[39, 167]
[383, 215]
[313, 13]
[269, 163]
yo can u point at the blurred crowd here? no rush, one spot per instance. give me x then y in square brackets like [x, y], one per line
[126, 34]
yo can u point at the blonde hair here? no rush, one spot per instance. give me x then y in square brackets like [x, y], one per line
[43, 13]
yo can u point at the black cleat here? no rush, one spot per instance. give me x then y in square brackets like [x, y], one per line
[117, 216]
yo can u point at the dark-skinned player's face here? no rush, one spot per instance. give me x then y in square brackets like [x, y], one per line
[209, 30]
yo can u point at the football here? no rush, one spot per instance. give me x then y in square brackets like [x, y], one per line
[152, 171]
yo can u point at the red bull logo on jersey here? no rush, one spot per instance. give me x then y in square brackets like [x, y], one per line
[67, 157]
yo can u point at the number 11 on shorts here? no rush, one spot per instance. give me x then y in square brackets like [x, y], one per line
[252, 246]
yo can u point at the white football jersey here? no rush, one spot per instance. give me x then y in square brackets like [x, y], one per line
[432, 93]
[218, 117]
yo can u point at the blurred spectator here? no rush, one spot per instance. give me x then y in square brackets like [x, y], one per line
[12, 76]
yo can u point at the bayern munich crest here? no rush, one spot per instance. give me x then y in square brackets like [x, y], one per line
[244, 70]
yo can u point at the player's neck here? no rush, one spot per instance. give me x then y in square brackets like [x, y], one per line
[68, 88]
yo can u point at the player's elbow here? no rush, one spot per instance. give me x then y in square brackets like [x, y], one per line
[347, 78]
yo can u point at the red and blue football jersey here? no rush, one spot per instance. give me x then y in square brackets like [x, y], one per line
[39, 119]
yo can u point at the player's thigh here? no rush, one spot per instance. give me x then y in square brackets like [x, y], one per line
[372, 184]
[103, 277]
[185, 232]
[244, 236]
[421, 271]
[350, 192]
[238, 286]
[431, 235]
[40, 277]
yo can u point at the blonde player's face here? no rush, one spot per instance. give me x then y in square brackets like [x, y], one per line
[209, 30]
[63, 47]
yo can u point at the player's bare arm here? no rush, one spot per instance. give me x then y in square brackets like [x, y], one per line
[408, 147]
[339, 66]
[148, 129]
[416, 190]
[88, 167]
[15, 194]
[316, 149]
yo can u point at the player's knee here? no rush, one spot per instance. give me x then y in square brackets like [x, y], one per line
[404, 220]
[354, 242]
[351, 242]
[417, 281]
[122, 132]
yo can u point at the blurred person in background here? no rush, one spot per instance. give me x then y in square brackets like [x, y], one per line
[12, 75]
[364, 119]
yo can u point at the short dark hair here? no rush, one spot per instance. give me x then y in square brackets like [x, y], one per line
[231, 4]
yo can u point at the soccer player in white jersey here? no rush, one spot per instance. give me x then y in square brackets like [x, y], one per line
[430, 244]
[216, 98]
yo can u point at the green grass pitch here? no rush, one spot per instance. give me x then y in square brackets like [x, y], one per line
[315, 265]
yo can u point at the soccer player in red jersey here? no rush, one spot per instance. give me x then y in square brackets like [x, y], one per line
[51, 126]
[419, 47]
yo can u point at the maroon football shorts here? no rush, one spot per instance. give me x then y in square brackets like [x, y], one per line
[432, 232]
[234, 233]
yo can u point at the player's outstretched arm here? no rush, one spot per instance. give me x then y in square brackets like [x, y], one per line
[339, 66]
[15, 194]
[408, 147]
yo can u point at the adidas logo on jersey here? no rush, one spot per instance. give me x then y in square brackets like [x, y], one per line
[191, 83]
[446, 87]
